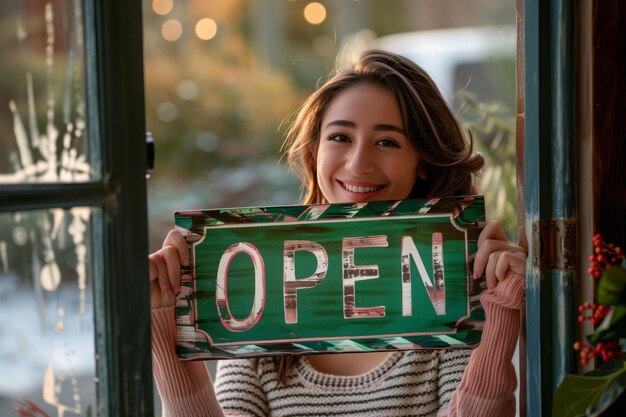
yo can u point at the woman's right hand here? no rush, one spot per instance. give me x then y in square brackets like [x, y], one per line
[165, 270]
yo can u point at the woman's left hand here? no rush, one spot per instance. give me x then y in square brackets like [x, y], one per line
[496, 255]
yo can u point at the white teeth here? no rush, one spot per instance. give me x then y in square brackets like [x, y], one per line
[358, 189]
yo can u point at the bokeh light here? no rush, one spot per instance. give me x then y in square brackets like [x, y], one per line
[167, 111]
[187, 89]
[207, 142]
[171, 30]
[315, 13]
[162, 7]
[206, 29]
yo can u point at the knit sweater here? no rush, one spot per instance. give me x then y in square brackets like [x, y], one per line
[415, 383]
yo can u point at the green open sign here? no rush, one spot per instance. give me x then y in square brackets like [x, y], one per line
[330, 278]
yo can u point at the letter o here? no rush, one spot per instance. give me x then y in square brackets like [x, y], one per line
[221, 294]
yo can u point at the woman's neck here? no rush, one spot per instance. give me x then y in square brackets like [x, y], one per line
[347, 364]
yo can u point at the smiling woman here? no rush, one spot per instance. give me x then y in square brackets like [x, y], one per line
[363, 152]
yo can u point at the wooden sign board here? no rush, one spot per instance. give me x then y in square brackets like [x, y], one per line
[352, 277]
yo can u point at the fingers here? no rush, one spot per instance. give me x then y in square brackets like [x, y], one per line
[510, 261]
[153, 269]
[492, 230]
[500, 263]
[496, 255]
[164, 277]
[175, 239]
[172, 263]
[485, 249]
[165, 269]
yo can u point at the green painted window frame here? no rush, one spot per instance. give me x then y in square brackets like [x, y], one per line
[116, 122]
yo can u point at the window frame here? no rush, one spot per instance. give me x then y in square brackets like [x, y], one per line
[114, 90]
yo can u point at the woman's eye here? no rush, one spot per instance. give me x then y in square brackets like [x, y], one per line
[338, 138]
[388, 142]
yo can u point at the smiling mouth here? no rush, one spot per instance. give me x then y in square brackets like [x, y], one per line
[361, 189]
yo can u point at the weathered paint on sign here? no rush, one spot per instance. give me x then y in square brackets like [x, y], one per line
[330, 278]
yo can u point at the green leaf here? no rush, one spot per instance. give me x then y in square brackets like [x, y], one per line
[577, 394]
[612, 287]
[610, 395]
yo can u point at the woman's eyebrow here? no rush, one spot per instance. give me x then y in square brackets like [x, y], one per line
[378, 127]
[393, 128]
[345, 123]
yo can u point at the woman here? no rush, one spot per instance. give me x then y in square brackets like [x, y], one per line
[379, 130]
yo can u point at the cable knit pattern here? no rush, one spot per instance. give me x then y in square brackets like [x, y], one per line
[416, 383]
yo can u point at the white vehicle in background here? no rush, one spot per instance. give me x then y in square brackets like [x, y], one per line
[477, 59]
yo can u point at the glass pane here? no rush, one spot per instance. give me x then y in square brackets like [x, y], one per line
[43, 135]
[47, 357]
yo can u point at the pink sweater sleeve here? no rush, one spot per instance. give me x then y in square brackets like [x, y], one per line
[489, 382]
[185, 388]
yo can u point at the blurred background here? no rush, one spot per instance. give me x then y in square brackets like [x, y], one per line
[222, 78]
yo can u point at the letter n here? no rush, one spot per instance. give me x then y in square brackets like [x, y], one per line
[435, 289]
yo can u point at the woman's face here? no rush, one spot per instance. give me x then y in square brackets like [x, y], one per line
[363, 152]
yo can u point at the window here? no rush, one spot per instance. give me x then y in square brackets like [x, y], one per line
[72, 210]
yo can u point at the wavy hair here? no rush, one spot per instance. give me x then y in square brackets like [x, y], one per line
[446, 154]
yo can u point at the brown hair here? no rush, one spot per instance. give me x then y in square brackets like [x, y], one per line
[446, 155]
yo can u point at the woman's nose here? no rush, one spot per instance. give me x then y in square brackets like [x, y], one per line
[360, 160]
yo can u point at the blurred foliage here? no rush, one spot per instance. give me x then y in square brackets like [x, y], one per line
[230, 111]
[493, 127]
